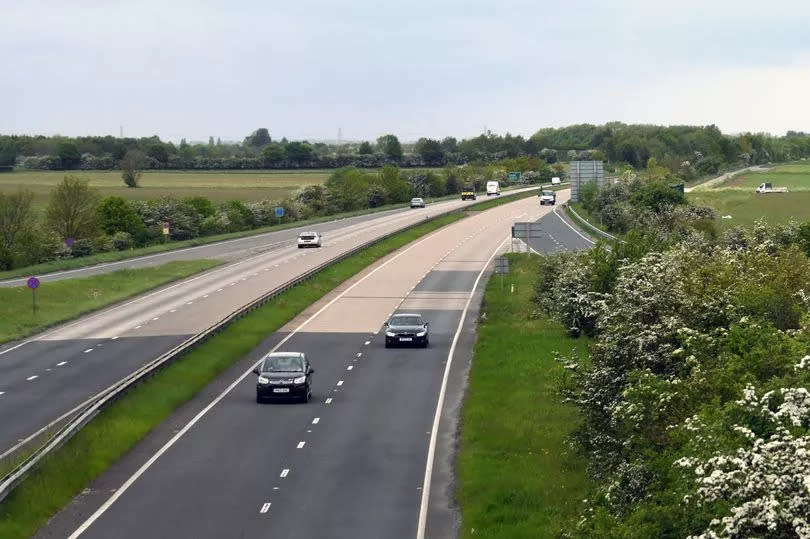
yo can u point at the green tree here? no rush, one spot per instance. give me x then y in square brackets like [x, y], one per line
[390, 146]
[114, 214]
[299, 152]
[397, 188]
[158, 152]
[273, 154]
[449, 145]
[71, 209]
[16, 217]
[202, 204]
[365, 148]
[8, 154]
[430, 151]
[258, 139]
[68, 153]
[131, 165]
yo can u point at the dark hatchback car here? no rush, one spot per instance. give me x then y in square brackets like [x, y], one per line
[406, 329]
[284, 375]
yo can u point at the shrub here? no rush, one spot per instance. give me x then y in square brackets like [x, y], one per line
[121, 241]
[82, 247]
[203, 205]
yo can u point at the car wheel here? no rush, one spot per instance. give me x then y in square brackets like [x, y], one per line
[427, 342]
[306, 398]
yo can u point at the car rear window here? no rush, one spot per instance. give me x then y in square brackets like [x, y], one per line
[307, 236]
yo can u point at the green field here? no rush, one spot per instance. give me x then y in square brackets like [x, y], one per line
[517, 475]
[217, 185]
[736, 197]
[58, 301]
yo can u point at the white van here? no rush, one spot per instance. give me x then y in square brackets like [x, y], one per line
[493, 188]
[555, 180]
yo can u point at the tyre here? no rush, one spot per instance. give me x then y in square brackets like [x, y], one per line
[427, 342]
[300, 246]
[387, 344]
[307, 397]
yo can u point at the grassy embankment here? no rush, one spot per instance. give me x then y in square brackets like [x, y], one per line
[58, 301]
[118, 428]
[517, 476]
[736, 197]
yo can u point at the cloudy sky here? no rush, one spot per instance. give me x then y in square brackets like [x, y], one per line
[304, 68]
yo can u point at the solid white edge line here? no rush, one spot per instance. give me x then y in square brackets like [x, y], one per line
[554, 211]
[128, 483]
[434, 433]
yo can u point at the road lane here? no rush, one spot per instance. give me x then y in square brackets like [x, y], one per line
[168, 314]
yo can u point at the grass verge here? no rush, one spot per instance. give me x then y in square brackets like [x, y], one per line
[492, 202]
[517, 476]
[585, 214]
[746, 207]
[58, 301]
[118, 428]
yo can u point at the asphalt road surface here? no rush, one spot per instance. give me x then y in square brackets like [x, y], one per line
[48, 376]
[354, 462]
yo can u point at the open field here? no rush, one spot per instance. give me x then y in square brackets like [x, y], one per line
[217, 185]
[63, 300]
[747, 207]
[517, 475]
[795, 177]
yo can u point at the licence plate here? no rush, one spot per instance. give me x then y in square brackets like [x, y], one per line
[405, 339]
[281, 390]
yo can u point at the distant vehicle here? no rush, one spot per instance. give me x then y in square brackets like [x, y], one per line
[417, 203]
[547, 196]
[408, 329]
[493, 188]
[768, 188]
[555, 180]
[468, 193]
[284, 375]
[309, 239]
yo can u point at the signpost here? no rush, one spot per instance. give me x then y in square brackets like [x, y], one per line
[166, 231]
[33, 284]
[527, 231]
[501, 266]
[69, 242]
[513, 176]
[279, 212]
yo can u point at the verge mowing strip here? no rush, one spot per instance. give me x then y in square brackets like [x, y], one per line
[119, 427]
[517, 476]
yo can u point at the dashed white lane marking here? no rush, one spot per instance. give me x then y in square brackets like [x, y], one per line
[359, 354]
[205, 296]
[301, 445]
[350, 367]
[34, 377]
[61, 363]
[266, 269]
[265, 508]
[367, 343]
[316, 420]
[276, 266]
[340, 382]
[114, 338]
[138, 327]
[219, 290]
[232, 284]
[156, 318]
[2, 392]
[285, 472]
[48, 370]
[189, 302]
[88, 350]
[328, 401]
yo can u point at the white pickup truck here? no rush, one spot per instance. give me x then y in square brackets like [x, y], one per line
[768, 188]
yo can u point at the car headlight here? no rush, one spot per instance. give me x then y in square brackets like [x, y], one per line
[390, 334]
[300, 380]
[421, 333]
[264, 380]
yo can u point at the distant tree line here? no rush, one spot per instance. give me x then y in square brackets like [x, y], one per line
[687, 151]
[79, 222]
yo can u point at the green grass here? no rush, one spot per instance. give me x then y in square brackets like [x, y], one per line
[517, 477]
[796, 177]
[496, 201]
[745, 207]
[588, 216]
[118, 428]
[58, 301]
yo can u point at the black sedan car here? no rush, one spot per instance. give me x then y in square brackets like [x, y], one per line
[408, 329]
[284, 375]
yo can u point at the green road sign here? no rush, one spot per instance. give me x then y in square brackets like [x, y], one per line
[514, 176]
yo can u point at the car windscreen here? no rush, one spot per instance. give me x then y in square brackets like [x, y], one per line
[548, 193]
[406, 321]
[283, 364]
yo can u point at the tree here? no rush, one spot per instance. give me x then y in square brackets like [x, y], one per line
[131, 166]
[258, 139]
[365, 148]
[430, 150]
[8, 154]
[390, 146]
[211, 141]
[299, 152]
[449, 144]
[16, 217]
[273, 154]
[114, 214]
[71, 209]
[158, 152]
[68, 154]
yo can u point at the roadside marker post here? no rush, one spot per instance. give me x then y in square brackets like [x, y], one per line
[165, 232]
[501, 266]
[33, 284]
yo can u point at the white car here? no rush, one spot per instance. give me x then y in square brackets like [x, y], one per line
[417, 203]
[309, 239]
[493, 188]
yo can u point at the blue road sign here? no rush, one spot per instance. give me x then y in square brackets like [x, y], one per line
[279, 211]
[69, 242]
[33, 283]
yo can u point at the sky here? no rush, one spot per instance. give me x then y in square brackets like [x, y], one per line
[423, 68]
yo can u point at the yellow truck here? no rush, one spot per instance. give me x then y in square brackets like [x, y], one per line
[467, 193]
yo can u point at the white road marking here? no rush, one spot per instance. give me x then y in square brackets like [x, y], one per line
[205, 295]
[265, 507]
[2, 392]
[285, 472]
[359, 354]
[420, 530]
[189, 302]
[173, 311]
[301, 445]
[367, 343]
[156, 318]
[316, 420]
[138, 327]
[48, 370]
[554, 211]
[114, 338]
[219, 290]
[134, 477]
[30, 378]
[350, 367]
[328, 401]
[340, 382]
[61, 363]
[88, 350]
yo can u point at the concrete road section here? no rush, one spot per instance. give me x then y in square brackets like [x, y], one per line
[352, 463]
[73, 362]
[559, 234]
